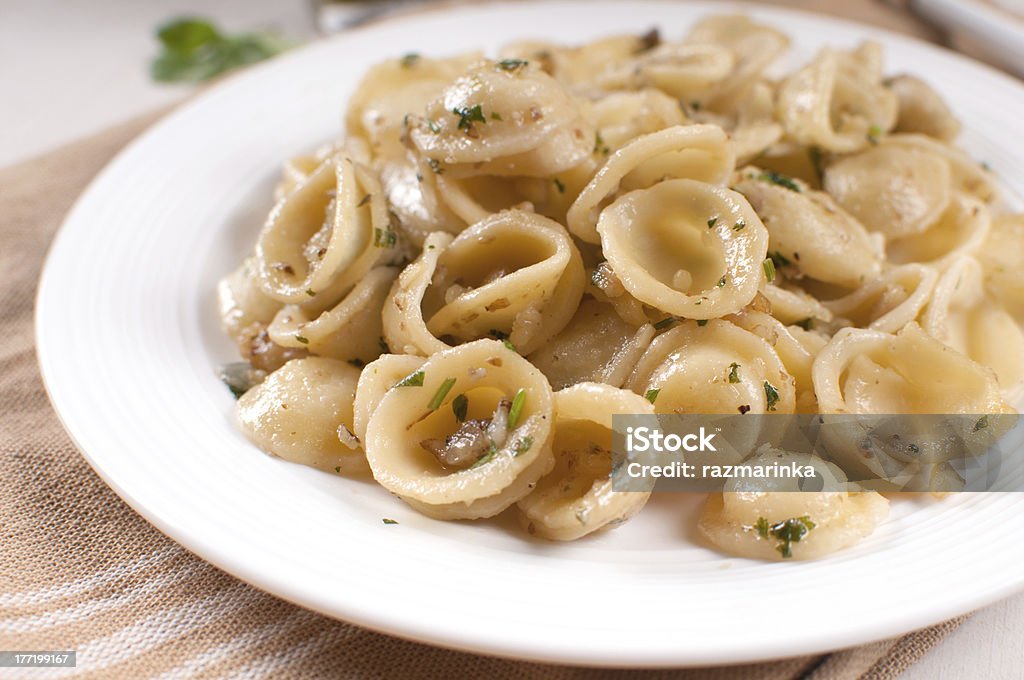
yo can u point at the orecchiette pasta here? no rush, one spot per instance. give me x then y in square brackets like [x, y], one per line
[466, 465]
[303, 413]
[502, 253]
[576, 498]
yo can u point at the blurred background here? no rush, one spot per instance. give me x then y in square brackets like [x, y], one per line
[71, 68]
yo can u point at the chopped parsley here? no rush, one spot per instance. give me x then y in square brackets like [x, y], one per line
[734, 375]
[469, 115]
[460, 407]
[384, 238]
[523, 445]
[787, 532]
[301, 339]
[779, 260]
[721, 282]
[409, 60]
[412, 380]
[433, 126]
[337, 468]
[495, 115]
[512, 65]
[667, 322]
[310, 292]
[981, 424]
[387, 520]
[442, 392]
[600, 146]
[516, 412]
[363, 201]
[780, 179]
[712, 222]
[702, 322]
[652, 395]
[769, 269]
[874, 134]
[771, 395]
[508, 345]
[435, 165]
[487, 457]
[559, 186]
[740, 225]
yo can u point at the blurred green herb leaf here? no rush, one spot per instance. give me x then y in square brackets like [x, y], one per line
[194, 50]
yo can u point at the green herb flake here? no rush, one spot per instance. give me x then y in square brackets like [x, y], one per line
[409, 60]
[301, 339]
[559, 186]
[702, 322]
[771, 395]
[363, 201]
[412, 380]
[981, 424]
[512, 65]
[516, 412]
[310, 292]
[599, 145]
[779, 260]
[508, 345]
[769, 269]
[652, 395]
[734, 375]
[433, 126]
[469, 115]
[523, 445]
[740, 225]
[487, 457]
[874, 134]
[695, 105]
[667, 322]
[721, 282]
[435, 165]
[762, 527]
[384, 238]
[780, 179]
[442, 392]
[712, 222]
[495, 116]
[460, 407]
[337, 468]
[387, 520]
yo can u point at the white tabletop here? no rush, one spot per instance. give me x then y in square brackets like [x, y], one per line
[73, 68]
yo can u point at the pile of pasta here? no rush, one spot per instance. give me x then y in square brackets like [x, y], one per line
[501, 253]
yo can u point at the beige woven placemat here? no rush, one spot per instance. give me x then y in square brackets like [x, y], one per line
[79, 570]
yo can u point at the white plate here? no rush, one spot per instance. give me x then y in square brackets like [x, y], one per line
[128, 342]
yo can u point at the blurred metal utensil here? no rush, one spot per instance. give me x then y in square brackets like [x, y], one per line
[976, 26]
[332, 16]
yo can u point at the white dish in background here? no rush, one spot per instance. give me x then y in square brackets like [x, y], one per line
[128, 341]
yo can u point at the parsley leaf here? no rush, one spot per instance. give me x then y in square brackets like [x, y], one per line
[194, 50]
[469, 115]
[771, 395]
[411, 380]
